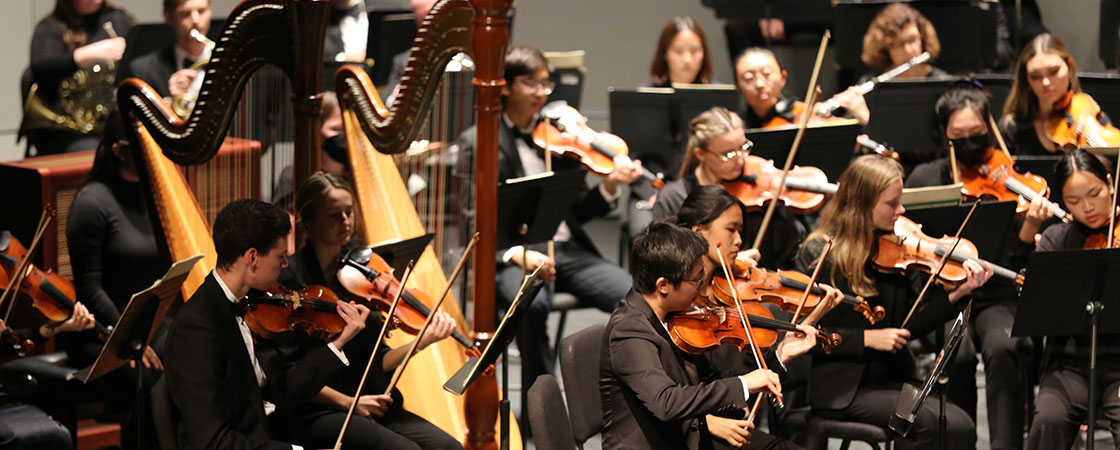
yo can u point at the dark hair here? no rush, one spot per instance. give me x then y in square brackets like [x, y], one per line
[245, 224]
[169, 6]
[524, 61]
[664, 250]
[659, 68]
[960, 97]
[106, 165]
[1078, 161]
[74, 32]
[704, 205]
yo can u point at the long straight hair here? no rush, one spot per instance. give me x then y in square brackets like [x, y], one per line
[1022, 105]
[847, 218]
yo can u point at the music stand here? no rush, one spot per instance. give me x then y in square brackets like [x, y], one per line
[390, 33]
[1041, 165]
[135, 329]
[539, 202]
[993, 221]
[399, 252]
[1051, 305]
[911, 398]
[826, 146]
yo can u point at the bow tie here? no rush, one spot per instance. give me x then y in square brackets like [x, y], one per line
[187, 63]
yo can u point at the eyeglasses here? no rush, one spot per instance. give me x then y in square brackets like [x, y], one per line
[732, 154]
[699, 279]
[536, 86]
[750, 77]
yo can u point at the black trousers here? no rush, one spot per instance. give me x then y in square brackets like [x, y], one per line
[875, 406]
[25, 427]
[990, 336]
[398, 429]
[759, 441]
[1062, 404]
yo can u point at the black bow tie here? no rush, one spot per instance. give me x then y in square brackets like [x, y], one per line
[187, 63]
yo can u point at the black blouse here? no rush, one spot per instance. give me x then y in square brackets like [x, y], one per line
[51, 60]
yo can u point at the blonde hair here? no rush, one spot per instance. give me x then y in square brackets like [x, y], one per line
[1022, 104]
[714, 122]
[884, 29]
[847, 218]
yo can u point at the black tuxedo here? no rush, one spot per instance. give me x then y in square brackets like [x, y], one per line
[211, 381]
[156, 69]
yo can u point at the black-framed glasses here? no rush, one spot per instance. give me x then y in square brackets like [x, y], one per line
[732, 154]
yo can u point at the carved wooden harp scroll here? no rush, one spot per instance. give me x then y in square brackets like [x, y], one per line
[286, 33]
[443, 34]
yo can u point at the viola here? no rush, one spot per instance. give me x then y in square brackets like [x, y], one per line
[1075, 123]
[368, 276]
[784, 288]
[997, 179]
[565, 133]
[51, 294]
[708, 325]
[312, 309]
[805, 191]
[908, 247]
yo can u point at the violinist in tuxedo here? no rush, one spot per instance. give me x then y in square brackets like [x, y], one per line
[224, 388]
[168, 70]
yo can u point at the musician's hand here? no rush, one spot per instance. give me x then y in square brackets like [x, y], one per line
[80, 320]
[885, 339]
[441, 327]
[763, 380]
[831, 298]
[854, 102]
[797, 344]
[1038, 212]
[104, 50]
[625, 171]
[749, 256]
[370, 406]
[772, 29]
[355, 317]
[532, 260]
[3, 326]
[150, 360]
[977, 276]
[735, 432]
[180, 81]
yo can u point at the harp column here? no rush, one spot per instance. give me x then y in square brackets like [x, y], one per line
[491, 39]
[309, 29]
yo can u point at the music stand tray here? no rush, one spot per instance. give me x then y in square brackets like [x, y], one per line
[540, 202]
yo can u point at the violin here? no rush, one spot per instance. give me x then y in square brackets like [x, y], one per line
[565, 133]
[51, 294]
[368, 276]
[784, 288]
[708, 325]
[1076, 123]
[805, 191]
[908, 247]
[997, 179]
[277, 311]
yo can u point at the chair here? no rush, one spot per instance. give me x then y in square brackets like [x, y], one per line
[552, 430]
[164, 416]
[579, 357]
[820, 429]
[562, 302]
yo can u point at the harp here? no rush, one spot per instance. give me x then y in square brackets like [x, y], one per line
[289, 34]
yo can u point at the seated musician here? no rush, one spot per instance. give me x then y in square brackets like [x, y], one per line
[716, 152]
[224, 391]
[326, 211]
[682, 55]
[72, 37]
[896, 35]
[760, 79]
[334, 159]
[171, 70]
[577, 267]
[1085, 186]
[860, 380]
[963, 117]
[656, 395]
[1045, 77]
[347, 32]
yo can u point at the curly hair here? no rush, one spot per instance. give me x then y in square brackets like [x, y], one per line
[883, 31]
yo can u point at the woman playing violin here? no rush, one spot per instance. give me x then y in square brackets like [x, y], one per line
[682, 55]
[325, 208]
[1085, 186]
[716, 153]
[861, 378]
[962, 113]
[1045, 85]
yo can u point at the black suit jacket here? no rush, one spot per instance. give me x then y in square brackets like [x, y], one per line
[211, 381]
[654, 395]
[156, 69]
[590, 203]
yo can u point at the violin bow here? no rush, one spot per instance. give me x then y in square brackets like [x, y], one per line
[1112, 217]
[372, 356]
[999, 136]
[956, 170]
[416, 342]
[810, 99]
[746, 324]
[812, 281]
[944, 259]
[21, 270]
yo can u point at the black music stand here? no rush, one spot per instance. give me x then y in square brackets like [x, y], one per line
[1067, 293]
[135, 329]
[536, 204]
[390, 33]
[826, 146]
[911, 398]
[988, 228]
[507, 329]
[398, 252]
[1041, 165]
